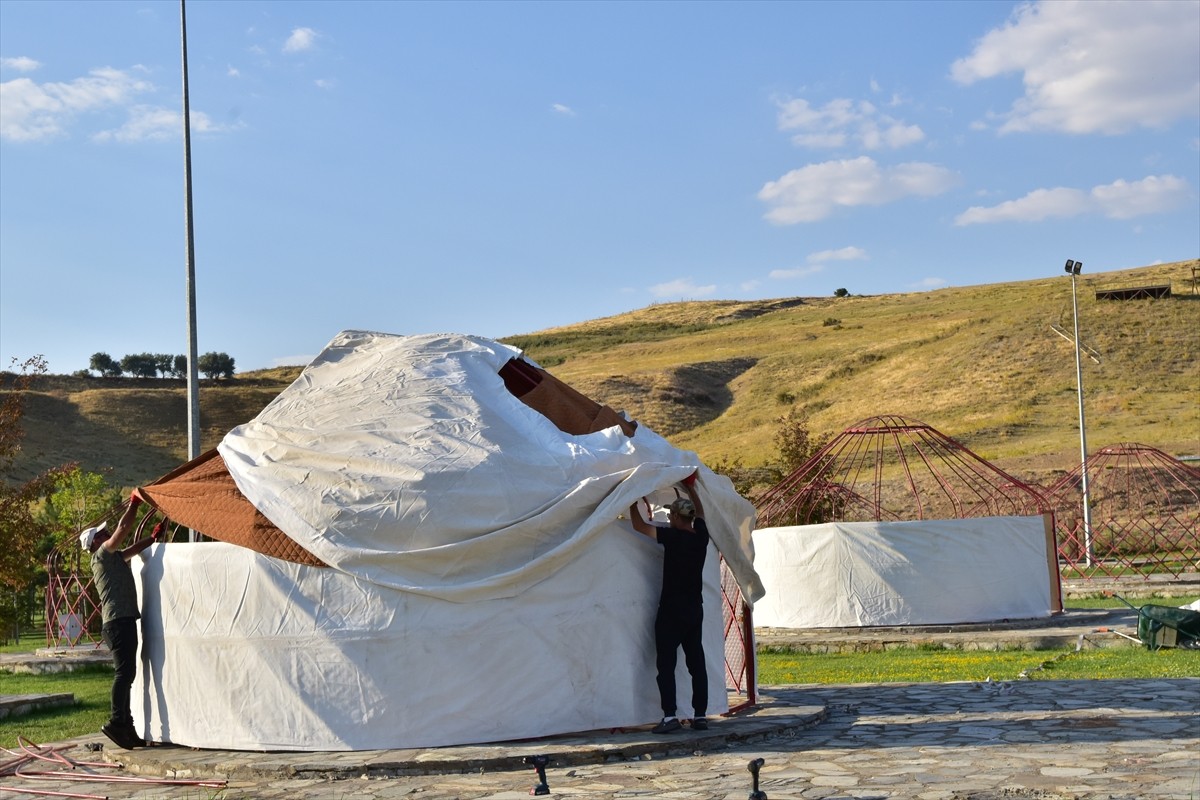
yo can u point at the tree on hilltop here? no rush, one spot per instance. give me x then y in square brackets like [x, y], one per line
[140, 365]
[216, 365]
[105, 365]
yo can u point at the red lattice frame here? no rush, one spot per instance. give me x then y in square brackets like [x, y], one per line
[890, 468]
[73, 614]
[740, 675]
[1145, 514]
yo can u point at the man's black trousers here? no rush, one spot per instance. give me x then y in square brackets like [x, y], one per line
[121, 636]
[673, 628]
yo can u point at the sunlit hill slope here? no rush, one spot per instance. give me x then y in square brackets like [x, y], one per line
[991, 366]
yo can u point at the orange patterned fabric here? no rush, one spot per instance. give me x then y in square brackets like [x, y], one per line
[570, 411]
[201, 495]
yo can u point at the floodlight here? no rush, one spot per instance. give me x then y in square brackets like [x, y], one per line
[1073, 268]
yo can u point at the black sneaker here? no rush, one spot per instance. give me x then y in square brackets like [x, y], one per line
[667, 726]
[700, 724]
[123, 737]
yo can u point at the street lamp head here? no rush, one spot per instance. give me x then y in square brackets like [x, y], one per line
[1073, 267]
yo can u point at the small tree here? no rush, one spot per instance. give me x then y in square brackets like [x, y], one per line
[21, 533]
[164, 363]
[140, 365]
[216, 365]
[105, 365]
[794, 442]
[841, 293]
[179, 367]
[79, 499]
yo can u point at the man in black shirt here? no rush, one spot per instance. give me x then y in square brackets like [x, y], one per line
[120, 610]
[680, 605]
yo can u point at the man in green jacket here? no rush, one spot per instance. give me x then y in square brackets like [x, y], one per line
[119, 606]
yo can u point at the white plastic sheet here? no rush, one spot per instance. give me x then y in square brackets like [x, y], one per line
[404, 460]
[241, 651]
[483, 584]
[850, 574]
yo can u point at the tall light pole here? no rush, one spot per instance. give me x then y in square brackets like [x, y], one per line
[193, 378]
[1074, 268]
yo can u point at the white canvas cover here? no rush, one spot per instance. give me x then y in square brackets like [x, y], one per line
[482, 583]
[927, 572]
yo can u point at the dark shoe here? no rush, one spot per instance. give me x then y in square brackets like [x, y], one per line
[700, 724]
[667, 726]
[124, 737]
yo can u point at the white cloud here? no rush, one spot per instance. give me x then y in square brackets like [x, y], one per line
[813, 192]
[301, 39]
[1151, 195]
[1118, 200]
[930, 283]
[681, 288]
[842, 120]
[325, 83]
[20, 64]
[154, 123]
[559, 108]
[232, 72]
[843, 254]
[1094, 67]
[797, 272]
[30, 111]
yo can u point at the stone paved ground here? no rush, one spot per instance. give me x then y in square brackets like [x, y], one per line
[1053, 740]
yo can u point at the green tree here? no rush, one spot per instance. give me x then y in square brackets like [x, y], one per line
[140, 365]
[165, 364]
[841, 293]
[105, 365]
[215, 365]
[20, 531]
[79, 499]
[794, 441]
[179, 367]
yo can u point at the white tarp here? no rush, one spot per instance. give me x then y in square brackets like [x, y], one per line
[245, 652]
[482, 583]
[928, 572]
[404, 460]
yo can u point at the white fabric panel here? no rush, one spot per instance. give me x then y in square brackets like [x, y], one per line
[404, 461]
[931, 572]
[242, 651]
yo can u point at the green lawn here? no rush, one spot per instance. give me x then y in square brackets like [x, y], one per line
[940, 665]
[91, 687]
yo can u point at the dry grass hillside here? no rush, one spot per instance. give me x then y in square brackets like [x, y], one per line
[982, 364]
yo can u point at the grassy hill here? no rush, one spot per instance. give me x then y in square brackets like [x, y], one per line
[982, 364]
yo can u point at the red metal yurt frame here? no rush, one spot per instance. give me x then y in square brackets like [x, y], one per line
[891, 468]
[1145, 514]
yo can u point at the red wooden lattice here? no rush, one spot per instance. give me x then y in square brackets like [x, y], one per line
[893, 468]
[72, 613]
[740, 678]
[1145, 514]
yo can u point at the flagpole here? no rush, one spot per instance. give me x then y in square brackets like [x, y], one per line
[193, 377]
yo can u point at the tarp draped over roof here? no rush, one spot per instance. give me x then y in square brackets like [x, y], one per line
[444, 465]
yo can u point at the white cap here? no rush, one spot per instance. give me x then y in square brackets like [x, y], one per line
[88, 536]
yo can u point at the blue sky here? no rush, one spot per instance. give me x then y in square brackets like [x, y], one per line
[499, 168]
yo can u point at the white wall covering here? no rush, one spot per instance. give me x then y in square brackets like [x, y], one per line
[849, 574]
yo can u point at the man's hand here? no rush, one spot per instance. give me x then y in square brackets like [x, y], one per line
[690, 480]
[158, 530]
